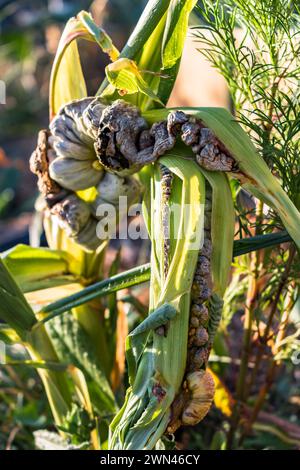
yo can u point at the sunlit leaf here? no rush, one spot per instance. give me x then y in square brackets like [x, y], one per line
[14, 309]
[36, 268]
[73, 346]
[175, 31]
[67, 80]
[125, 76]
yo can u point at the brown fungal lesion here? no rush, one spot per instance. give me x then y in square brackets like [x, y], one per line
[194, 402]
[166, 188]
[210, 152]
[71, 213]
[89, 137]
[198, 342]
[123, 143]
[65, 161]
[39, 165]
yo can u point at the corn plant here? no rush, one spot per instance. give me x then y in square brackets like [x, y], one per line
[125, 142]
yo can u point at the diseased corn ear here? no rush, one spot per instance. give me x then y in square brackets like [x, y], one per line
[74, 216]
[201, 387]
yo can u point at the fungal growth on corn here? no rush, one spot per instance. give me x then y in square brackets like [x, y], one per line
[200, 389]
[71, 213]
[211, 154]
[89, 137]
[198, 342]
[73, 134]
[166, 187]
[66, 161]
[39, 165]
[93, 145]
[123, 143]
[195, 398]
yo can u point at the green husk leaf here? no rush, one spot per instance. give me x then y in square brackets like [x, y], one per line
[125, 76]
[72, 345]
[55, 382]
[36, 268]
[67, 81]
[14, 309]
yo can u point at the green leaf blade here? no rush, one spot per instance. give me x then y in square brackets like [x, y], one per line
[14, 309]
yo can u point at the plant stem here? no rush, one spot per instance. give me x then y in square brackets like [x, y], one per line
[265, 337]
[270, 373]
[250, 305]
[249, 311]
